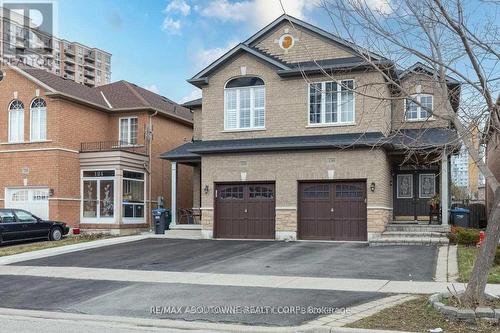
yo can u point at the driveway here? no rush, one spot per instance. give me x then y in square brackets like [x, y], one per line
[310, 259]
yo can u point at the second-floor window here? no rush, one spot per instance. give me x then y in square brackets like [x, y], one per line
[38, 111]
[16, 121]
[128, 130]
[419, 112]
[331, 102]
[244, 102]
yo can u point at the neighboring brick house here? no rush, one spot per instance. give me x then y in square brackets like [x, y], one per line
[86, 156]
[286, 147]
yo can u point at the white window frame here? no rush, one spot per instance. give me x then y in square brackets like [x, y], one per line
[134, 219]
[323, 123]
[20, 131]
[128, 142]
[98, 219]
[40, 127]
[418, 97]
[252, 126]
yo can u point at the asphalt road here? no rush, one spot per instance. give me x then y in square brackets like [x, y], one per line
[311, 259]
[282, 307]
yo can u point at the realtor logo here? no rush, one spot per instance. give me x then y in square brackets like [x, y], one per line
[27, 29]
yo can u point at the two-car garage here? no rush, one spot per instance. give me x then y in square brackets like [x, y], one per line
[327, 210]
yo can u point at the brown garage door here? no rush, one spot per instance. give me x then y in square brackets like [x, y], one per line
[245, 211]
[333, 211]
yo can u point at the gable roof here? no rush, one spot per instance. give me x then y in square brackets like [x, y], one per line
[113, 97]
[283, 67]
[200, 76]
[419, 67]
[342, 43]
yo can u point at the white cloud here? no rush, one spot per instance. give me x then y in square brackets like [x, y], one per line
[178, 6]
[152, 88]
[256, 12]
[194, 94]
[379, 6]
[171, 26]
[205, 57]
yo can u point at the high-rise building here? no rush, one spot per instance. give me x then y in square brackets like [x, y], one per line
[23, 44]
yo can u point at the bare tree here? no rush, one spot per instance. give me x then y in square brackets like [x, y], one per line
[452, 40]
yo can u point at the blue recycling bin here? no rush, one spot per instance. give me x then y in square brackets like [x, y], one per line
[460, 217]
[161, 218]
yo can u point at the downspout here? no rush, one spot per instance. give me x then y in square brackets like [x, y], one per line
[150, 139]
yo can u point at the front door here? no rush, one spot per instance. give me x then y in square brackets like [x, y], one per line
[412, 192]
[98, 198]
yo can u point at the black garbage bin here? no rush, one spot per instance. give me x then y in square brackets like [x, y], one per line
[460, 217]
[160, 220]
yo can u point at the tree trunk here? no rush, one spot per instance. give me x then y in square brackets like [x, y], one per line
[479, 277]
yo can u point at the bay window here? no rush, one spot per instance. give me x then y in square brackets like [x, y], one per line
[16, 121]
[331, 102]
[133, 195]
[38, 114]
[244, 100]
[413, 111]
[128, 131]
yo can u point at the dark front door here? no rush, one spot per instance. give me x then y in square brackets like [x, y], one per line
[245, 211]
[412, 192]
[333, 211]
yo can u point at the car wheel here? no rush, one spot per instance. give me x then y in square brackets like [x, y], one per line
[55, 234]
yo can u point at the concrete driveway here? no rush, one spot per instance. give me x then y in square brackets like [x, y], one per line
[312, 259]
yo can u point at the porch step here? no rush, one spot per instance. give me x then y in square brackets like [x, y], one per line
[416, 228]
[190, 231]
[412, 234]
[420, 240]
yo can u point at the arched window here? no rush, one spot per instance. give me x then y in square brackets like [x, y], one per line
[38, 111]
[244, 101]
[16, 121]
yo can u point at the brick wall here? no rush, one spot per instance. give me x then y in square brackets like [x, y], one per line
[307, 46]
[372, 165]
[167, 136]
[428, 86]
[287, 103]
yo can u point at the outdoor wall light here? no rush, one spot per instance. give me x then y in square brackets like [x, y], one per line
[205, 189]
[372, 187]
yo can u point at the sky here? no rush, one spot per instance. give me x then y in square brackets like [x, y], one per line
[158, 44]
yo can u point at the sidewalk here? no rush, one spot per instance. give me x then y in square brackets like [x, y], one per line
[240, 280]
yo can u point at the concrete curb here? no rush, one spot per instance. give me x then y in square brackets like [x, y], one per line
[452, 263]
[177, 324]
[6, 260]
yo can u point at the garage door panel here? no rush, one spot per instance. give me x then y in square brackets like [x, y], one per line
[33, 200]
[245, 211]
[332, 211]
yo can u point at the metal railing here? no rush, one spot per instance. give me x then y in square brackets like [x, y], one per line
[97, 146]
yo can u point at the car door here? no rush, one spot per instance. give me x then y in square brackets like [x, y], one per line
[10, 229]
[29, 224]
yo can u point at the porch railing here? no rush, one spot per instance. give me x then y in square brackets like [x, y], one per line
[98, 146]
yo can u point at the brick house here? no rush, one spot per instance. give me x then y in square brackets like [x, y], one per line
[289, 148]
[87, 156]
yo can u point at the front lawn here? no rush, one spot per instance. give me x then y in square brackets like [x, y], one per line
[7, 250]
[418, 316]
[466, 257]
